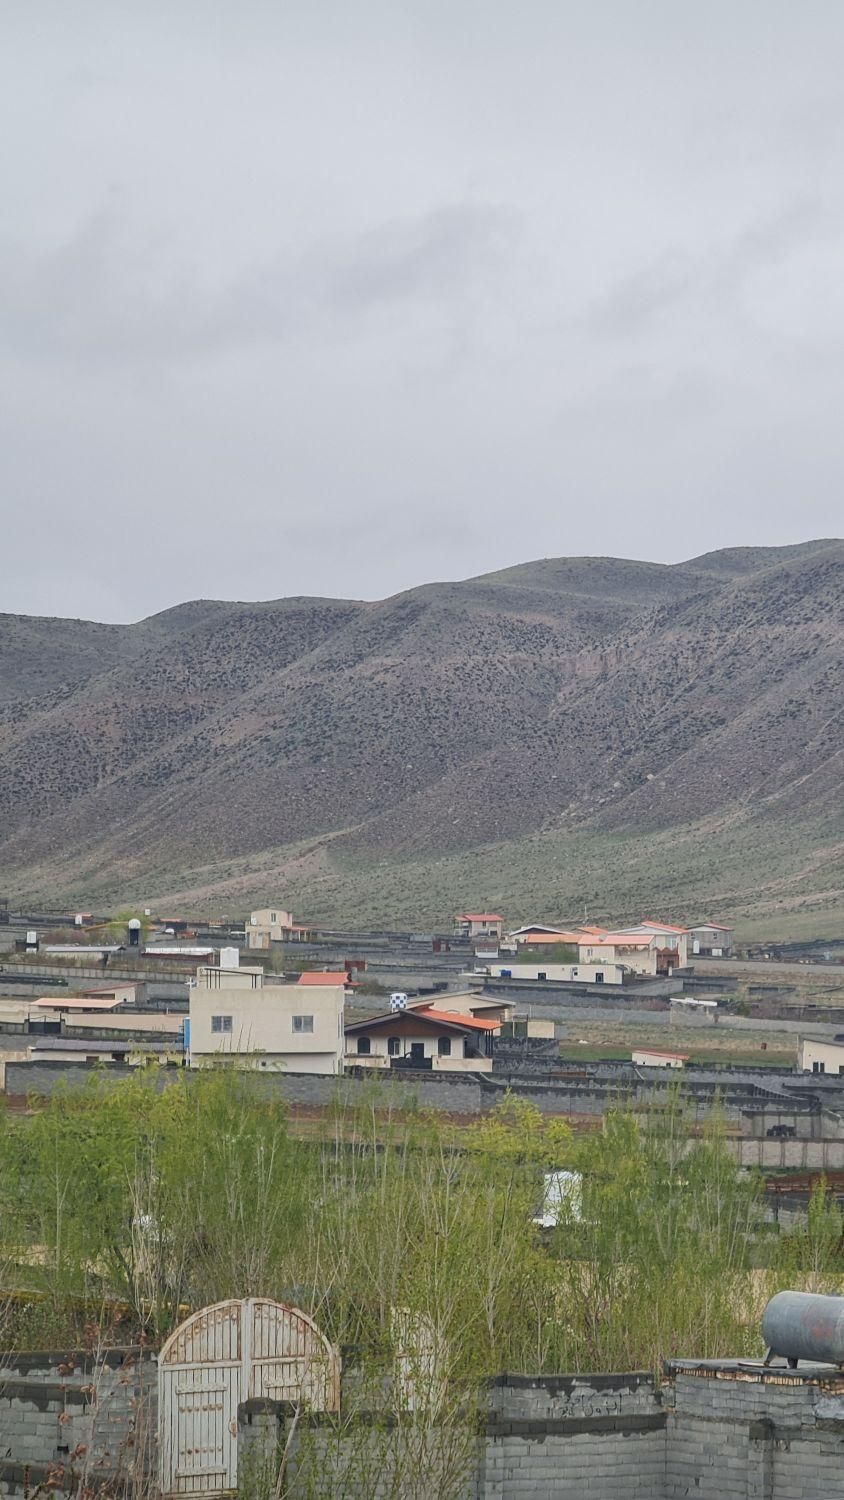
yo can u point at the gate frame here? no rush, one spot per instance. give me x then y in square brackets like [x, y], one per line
[245, 1366]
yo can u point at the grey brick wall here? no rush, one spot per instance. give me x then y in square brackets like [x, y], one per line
[735, 1433]
[716, 1431]
[74, 1417]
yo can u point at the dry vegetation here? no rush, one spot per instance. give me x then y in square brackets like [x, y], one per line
[576, 732]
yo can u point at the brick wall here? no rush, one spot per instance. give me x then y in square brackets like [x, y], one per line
[72, 1419]
[715, 1430]
[734, 1432]
[573, 1436]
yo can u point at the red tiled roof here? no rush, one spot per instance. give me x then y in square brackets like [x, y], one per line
[310, 977]
[455, 1018]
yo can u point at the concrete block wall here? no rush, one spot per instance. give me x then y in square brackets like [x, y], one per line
[573, 1436]
[66, 1419]
[715, 1430]
[734, 1432]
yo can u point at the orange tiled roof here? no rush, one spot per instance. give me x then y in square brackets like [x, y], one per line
[311, 977]
[456, 1018]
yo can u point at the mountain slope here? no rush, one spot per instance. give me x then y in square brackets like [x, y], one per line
[421, 750]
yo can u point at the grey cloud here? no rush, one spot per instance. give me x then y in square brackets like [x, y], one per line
[338, 299]
[439, 254]
[711, 277]
[98, 296]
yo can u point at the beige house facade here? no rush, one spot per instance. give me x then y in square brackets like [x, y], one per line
[479, 925]
[638, 955]
[234, 1014]
[607, 973]
[821, 1057]
[272, 924]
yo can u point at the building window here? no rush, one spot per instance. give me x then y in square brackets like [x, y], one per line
[221, 1023]
[273, 916]
[393, 1046]
[542, 975]
[364, 1046]
[303, 1023]
[818, 1067]
[444, 1046]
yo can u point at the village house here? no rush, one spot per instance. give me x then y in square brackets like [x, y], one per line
[94, 1001]
[479, 925]
[133, 1051]
[650, 1057]
[535, 935]
[607, 973]
[422, 1037]
[821, 1057]
[672, 941]
[711, 940]
[637, 955]
[234, 1013]
[272, 924]
[470, 1004]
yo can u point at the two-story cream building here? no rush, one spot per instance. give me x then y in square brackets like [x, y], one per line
[272, 924]
[236, 1015]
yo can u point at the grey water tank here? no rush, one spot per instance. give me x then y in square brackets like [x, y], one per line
[803, 1325]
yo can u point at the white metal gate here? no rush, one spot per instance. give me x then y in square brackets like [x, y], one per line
[219, 1357]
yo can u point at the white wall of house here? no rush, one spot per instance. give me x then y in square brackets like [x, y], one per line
[608, 973]
[295, 1027]
[821, 1057]
[645, 1059]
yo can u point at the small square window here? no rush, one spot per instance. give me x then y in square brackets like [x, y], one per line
[221, 1023]
[303, 1023]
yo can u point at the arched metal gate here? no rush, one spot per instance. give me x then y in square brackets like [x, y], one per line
[219, 1357]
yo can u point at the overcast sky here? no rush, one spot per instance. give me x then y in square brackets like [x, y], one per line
[304, 297]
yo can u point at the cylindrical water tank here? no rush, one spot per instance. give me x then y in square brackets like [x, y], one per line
[803, 1325]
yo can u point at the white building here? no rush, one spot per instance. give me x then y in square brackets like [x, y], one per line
[234, 1014]
[649, 1057]
[608, 973]
[821, 1057]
